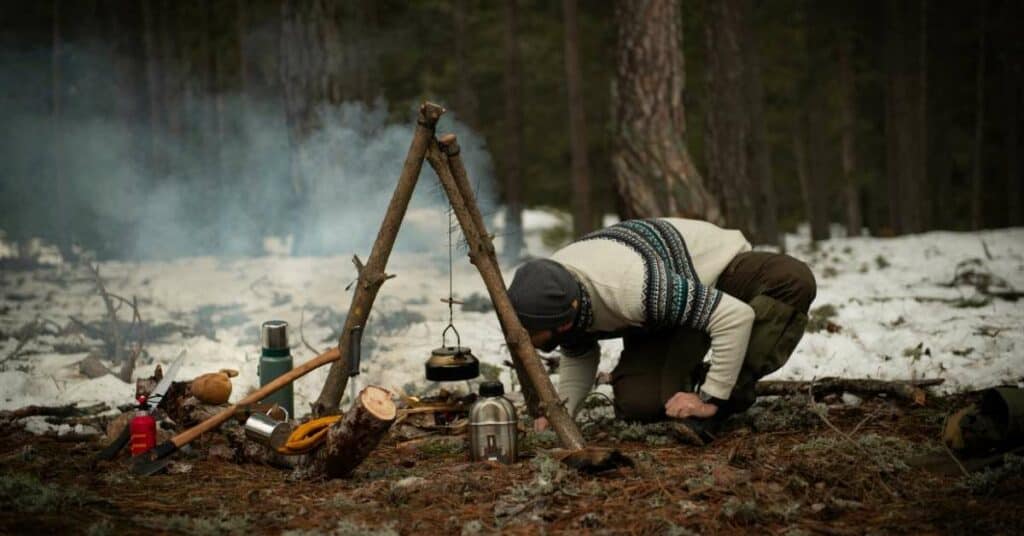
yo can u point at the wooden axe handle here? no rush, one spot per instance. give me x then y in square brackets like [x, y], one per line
[214, 422]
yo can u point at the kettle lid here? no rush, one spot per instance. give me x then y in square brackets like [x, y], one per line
[492, 388]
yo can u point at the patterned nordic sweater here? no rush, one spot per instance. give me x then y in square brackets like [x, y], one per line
[651, 275]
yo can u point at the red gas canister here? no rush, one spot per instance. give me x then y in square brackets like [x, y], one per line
[143, 428]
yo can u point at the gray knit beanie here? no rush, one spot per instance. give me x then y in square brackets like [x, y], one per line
[542, 293]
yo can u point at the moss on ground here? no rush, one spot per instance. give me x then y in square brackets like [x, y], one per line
[21, 492]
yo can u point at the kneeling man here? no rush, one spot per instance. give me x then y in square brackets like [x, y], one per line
[671, 288]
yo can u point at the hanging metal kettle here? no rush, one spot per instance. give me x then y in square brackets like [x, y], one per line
[452, 363]
[492, 426]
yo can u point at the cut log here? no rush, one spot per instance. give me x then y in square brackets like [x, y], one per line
[351, 439]
[912, 390]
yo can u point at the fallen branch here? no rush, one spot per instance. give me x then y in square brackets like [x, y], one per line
[33, 332]
[912, 390]
[108, 302]
[69, 410]
[139, 328]
[302, 333]
[822, 413]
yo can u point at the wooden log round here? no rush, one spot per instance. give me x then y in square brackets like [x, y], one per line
[351, 439]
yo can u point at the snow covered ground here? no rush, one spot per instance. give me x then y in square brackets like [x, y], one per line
[897, 317]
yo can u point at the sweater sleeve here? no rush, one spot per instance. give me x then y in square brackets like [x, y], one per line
[729, 328]
[576, 374]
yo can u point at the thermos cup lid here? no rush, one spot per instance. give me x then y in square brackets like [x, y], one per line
[492, 388]
[274, 335]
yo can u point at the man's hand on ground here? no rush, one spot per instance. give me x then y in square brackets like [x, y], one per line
[540, 424]
[683, 405]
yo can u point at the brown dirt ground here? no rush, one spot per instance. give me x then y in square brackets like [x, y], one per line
[798, 476]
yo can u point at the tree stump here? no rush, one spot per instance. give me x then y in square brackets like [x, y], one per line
[351, 439]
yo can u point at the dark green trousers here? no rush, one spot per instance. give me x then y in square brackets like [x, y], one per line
[655, 366]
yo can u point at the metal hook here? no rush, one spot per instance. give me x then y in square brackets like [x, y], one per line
[444, 336]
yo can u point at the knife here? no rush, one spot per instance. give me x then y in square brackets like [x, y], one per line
[158, 392]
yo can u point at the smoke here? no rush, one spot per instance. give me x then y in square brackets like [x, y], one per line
[214, 178]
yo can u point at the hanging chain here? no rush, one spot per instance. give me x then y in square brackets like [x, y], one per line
[451, 277]
[451, 292]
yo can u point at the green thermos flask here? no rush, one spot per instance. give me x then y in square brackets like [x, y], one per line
[275, 360]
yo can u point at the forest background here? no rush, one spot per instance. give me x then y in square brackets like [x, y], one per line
[158, 128]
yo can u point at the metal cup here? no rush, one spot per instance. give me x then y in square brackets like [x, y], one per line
[268, 431]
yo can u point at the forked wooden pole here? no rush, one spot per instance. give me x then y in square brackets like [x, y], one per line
[518, 340]
[372, 276]
[484, 246]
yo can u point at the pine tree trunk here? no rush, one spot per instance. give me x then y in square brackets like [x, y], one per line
[1015, 217]
[803, 173]
[848, 117]
[814, 117]
[654, 173]
[152, 80]
[170, 68]
[583, 216]
[759, 150]
[904, 116]
[60, 190]
[220, 83]
[921, 175]
[513, 151]
[1012, 19]
[465, 97]
[311, 76]
[727, 126]
[977, 188]
[897, 139]
[241, 31]
[208, 127]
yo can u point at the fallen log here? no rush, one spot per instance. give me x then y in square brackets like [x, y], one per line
[350, 440]
[912, 390]
[69, 410]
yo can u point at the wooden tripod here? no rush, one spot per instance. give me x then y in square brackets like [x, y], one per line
[444, 158]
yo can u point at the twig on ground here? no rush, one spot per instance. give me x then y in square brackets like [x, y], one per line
[824, 417]
[32, 332]
[302, 334]
[108, 302]
[955, 459]
[139, 329]
[865, 420]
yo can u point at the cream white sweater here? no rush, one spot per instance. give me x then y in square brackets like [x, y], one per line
[613, 275]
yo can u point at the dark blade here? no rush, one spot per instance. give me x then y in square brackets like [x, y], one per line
[165, 383]
[154, 460]
[115, 446]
